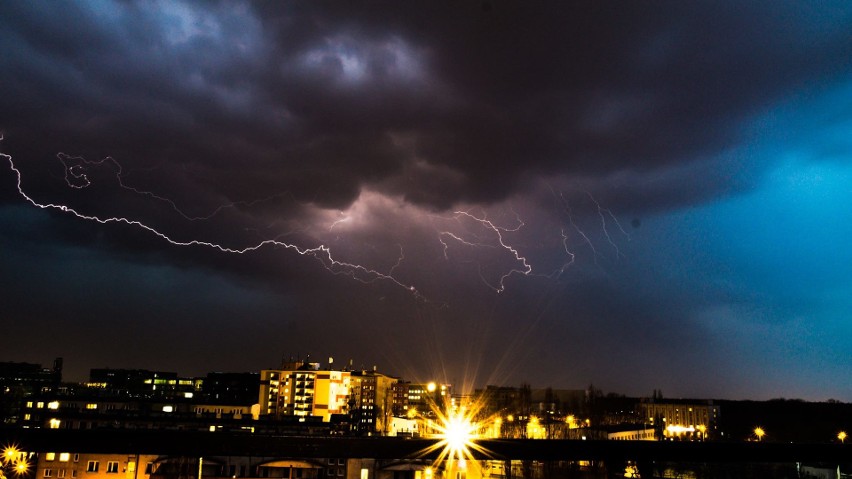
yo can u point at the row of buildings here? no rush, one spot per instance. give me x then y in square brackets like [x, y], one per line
[304, 397]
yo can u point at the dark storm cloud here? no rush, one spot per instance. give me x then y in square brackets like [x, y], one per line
[439, 103]
[587, 131]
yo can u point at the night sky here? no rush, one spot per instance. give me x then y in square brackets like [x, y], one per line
[638, 195]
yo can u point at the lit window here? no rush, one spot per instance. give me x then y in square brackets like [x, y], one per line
[92, 466]
[50, 456]
[29, 404]
[91, 406]
[64, 456]
[54, 423]
[168, 409]
[39, 404]
[112, 467]
[53, 405]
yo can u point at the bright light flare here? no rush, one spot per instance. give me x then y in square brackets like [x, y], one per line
[13, 457]
[457, 435]
[10, 452]
[458, 430]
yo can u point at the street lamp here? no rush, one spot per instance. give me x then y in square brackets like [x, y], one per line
[12, 461]
[703, 430]
[759, 432]
[842, 436]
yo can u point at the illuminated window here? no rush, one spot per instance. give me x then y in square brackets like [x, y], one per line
[53, 405]
[91, 406]
[112, 467]
[168, 409]
[92, 466]
[50, 456]
[29, 404]
[64, 457]
[131, 466]
[39, 404]
[54, 423]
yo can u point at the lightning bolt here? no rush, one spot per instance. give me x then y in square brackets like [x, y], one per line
[576, 228]
[77, 178]
[498, 231]
[568, 252]
[601, 212]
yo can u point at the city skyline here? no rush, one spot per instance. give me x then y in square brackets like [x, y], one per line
[636, 196]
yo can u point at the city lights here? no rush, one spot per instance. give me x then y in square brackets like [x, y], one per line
[457, 431]
[759, 433]
[13, 461]
[841, 436]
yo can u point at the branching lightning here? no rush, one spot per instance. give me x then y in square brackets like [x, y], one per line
[471, 229]
[601, 212]
[525, 270]
[497, 240]
[76, 177]
[576, 228]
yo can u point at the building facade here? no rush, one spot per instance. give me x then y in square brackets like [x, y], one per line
[305, 391]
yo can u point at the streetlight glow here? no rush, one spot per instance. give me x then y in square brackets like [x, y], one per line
[759, 433]
[13, 459]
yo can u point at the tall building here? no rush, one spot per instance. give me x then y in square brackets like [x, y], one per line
[303, 391]
[371, 401]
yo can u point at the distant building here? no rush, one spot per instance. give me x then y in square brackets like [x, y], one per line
[143, 383]
[423, 398]
[682, 419]
[631, 434]
[21, 380]
[231, 388]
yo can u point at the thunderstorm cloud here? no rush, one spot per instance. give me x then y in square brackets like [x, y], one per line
[640, 195]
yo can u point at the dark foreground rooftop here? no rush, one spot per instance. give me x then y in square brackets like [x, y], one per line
[193, 443]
